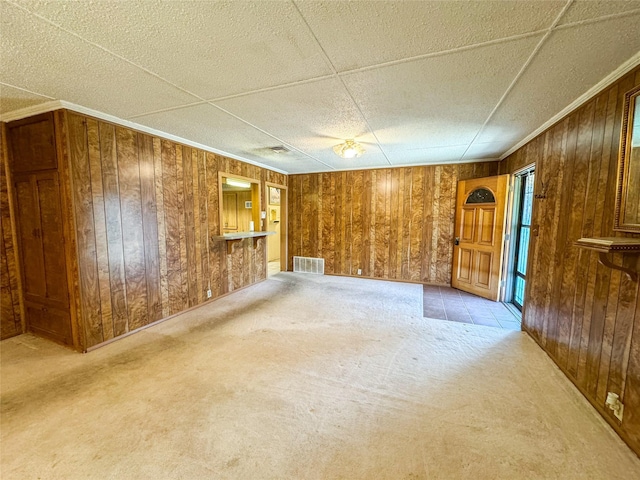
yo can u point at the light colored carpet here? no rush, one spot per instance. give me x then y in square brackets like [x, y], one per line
[302, 377]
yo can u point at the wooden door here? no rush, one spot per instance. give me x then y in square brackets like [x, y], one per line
[43, 263]
[479, 235]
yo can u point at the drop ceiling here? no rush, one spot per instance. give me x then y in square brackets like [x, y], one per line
[415, 82]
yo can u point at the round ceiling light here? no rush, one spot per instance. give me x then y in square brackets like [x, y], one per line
[349, 149]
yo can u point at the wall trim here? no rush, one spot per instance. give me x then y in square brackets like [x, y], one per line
[614, 76]
[407, 165]
[170, 317]
[605, 415]
[62, 104]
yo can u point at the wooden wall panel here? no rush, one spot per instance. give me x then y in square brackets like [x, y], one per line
[394, 223]
[10, 302]
[145, 209]
[585, 315]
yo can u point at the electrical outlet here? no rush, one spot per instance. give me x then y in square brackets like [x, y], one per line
[209, 293]
[614, 403]
[359, 271]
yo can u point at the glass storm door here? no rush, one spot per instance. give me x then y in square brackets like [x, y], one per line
[523, 232]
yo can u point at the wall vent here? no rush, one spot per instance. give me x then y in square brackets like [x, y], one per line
[308, 265]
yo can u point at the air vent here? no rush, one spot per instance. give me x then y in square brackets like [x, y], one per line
[308, 265]
[280, 149]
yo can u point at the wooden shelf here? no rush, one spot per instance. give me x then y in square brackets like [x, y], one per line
[232, 238]
[607, 245]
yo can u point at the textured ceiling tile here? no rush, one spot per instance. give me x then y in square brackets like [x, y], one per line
[359, 34]
[212, 49]
[423, 156]
[43, 59]
[208, 125]
[570, 62]
[581, 10]
[478, 151]
[14, 99]
[439, 101]
[312, 117]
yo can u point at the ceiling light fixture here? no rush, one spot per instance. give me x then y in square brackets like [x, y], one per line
[237, 183]
[280, 149]
[349, 149]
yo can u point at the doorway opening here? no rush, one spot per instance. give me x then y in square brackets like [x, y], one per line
[276, 221]
[521, 227]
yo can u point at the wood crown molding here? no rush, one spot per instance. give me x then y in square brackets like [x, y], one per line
[61, 104]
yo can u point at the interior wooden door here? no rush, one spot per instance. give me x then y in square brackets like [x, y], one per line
[43, 264]
[479, 235]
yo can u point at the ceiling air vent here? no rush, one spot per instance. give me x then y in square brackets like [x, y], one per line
[280, 149]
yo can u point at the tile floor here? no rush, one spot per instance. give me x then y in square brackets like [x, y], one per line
[446, 303]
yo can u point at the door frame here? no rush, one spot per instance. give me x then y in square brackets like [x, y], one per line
[478, 247]
[284, 223]
[511, 242]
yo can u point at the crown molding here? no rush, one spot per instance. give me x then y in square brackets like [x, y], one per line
[618, 73]
[31, 111]
[61, 104]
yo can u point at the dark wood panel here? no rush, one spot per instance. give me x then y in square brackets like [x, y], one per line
[394, 223]
[10, 304]
[172, 234]
[585, 315]
[100, 226]
[32, 144]
[111, 185]
[150, 226]
[132, 229]
[189, 228]
[90, 299]
[182, 153]
[145, 209]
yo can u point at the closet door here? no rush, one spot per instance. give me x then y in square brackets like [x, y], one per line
[39, 222]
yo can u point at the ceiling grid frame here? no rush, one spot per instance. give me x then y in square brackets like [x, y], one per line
[583, 16]
[522, 70]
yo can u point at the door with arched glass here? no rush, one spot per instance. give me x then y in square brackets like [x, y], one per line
[479, 235]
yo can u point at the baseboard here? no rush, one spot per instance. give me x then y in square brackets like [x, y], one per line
[206, 302]
[603, 413]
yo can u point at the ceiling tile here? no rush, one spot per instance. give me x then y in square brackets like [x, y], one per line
[581, 10]
[423, 156]
[482, 151]
[440, 101]
[15, 99]
[212, 49]
[208, 125]
[41, 58]
[570, 62]
[359, 34]
[312, 117]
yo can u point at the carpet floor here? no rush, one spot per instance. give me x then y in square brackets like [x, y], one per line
[302, 377]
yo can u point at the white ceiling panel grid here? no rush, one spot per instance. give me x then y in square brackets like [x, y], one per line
[365, 33]
[553, 79]
[416, 82]
[44, 59]
[210, 48]
[440, 101]
[12, 99]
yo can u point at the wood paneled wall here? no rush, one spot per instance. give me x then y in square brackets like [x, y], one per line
[585, 315]
[10, 304]
[145, 209]
[394, 223]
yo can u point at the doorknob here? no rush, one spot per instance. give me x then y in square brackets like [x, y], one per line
[456, 241]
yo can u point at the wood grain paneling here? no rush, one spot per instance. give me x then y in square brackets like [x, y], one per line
[394, 223]
[145, 209]
[585, 315]
[10, 301]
